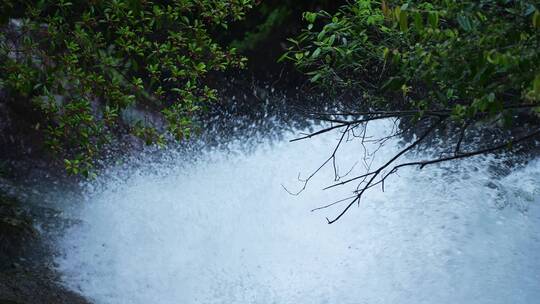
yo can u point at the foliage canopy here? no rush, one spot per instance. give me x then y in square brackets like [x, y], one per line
[83, 63]
[477, 59]
[86, 65]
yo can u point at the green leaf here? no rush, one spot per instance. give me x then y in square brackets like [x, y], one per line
[284, 57]
[331, 39]
[536, 19]
[310, 17]
[393, 84]
[320, 36]
[464, 23]
[433, 19]
[403, 20]
[536, 85]
[316, 77]
[201, 66]
[316, 53]
[418, 21]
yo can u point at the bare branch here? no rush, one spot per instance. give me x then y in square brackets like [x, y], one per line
[506, 144]
[332, 157]
[341, 124]
[379, 170]
[369, 179]
[424, 163]
[334, 203]
[460, 139]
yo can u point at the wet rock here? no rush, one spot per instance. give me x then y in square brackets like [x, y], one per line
[25, 275]
[16, 231]
[32, 287]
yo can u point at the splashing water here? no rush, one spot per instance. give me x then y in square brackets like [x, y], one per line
[223, 230]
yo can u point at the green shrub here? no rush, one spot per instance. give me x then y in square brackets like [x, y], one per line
[82, 63]
[477, 59]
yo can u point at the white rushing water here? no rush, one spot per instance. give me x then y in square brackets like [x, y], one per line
[223, 230]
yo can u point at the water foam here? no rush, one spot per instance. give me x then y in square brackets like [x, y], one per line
[223, 230]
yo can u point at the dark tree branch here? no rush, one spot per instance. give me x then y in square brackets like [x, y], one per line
[424, 163]
[341, 124]
[332, 204]
[507, 144]
[381, 168]
[460, 139]
[369, 179]
[332, 157]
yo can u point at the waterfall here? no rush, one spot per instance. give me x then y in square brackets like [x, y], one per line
[220, 228]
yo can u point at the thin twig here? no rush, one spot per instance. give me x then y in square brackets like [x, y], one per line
[379, 170]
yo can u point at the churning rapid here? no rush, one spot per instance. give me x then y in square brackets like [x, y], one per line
[222, 229]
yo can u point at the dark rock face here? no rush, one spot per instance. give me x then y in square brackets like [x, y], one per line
[32, 287]
[17, 137]
[25, 275]
[17, 234]
[16, 230]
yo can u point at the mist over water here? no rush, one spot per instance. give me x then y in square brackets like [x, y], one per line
[222, 229]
